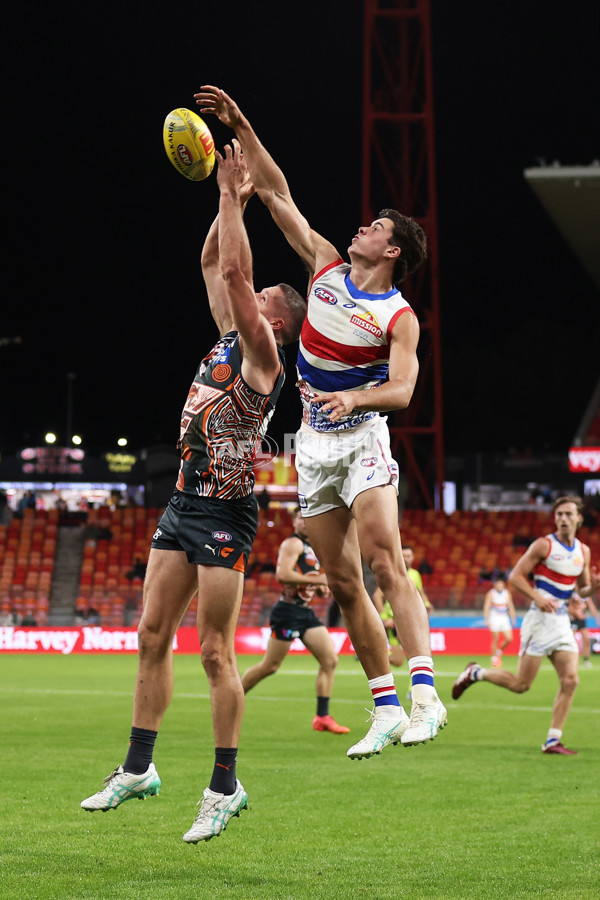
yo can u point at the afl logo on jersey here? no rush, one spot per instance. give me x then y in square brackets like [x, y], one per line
[221, 372]
[222, 536]
[325, 296]
[369, 461]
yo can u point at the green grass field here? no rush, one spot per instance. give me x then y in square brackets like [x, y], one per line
[479, 813]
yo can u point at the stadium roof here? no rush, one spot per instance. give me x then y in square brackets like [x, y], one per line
[571, 197]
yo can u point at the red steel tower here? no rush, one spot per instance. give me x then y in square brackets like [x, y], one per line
[399, 171]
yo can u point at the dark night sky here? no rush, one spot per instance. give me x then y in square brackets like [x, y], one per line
[103, 264]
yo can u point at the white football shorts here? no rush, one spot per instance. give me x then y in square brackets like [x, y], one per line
[334, 468]
[499, 622]
[543, 633]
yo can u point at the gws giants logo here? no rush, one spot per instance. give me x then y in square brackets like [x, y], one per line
[367, 322]
[325, 296]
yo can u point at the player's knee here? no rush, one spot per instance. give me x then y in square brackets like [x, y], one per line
[569, 682]
[521, 687]
[269, 668]
[152, 642]
[329, 663]
[343, 588]
[386, 575]
[215, 658]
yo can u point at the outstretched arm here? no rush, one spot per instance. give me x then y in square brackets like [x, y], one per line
[211, 268]
[270, 181]
[260, 361]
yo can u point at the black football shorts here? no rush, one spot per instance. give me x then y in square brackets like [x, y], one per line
[288, 621]
[212, 532]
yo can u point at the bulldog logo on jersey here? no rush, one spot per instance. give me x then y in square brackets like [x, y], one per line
[368, 323]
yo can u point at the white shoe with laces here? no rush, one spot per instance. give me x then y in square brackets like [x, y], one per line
[122, 786]
[426, 719]
[385, 729]
[215, 812]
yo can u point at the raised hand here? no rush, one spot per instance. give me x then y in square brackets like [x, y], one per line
[213, 101]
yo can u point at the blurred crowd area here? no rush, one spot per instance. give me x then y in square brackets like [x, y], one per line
[97, 563]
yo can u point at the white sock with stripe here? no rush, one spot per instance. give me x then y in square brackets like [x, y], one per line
[384, 694]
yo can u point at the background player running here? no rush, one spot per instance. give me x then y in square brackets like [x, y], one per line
[559, 562]
[299, 572]
[500, 616]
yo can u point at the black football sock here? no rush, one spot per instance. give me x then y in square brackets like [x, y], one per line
[223, 776]
[322, 706]
[141, 748]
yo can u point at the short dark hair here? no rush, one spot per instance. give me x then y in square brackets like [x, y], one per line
[410, 237]
[294, 309]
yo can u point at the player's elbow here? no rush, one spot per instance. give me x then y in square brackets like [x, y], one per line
[402, 395]
[231, 272]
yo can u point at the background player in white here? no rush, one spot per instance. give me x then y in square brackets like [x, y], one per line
[500, 617]
[357, 358]
[560, 562]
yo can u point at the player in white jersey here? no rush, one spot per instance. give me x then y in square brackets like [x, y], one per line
[500, 616]
[357, 359]
[560, 563]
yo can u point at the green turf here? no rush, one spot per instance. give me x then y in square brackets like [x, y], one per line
[479, 813]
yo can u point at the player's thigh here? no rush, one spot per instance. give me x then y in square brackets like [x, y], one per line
[220, 593]
[169, 585]
[318, 641]
[566, 664]
[333, 537]
[276, 652]
[528, 668]
[376, 514]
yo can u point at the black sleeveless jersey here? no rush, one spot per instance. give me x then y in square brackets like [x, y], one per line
[307, 562]
[222, 424]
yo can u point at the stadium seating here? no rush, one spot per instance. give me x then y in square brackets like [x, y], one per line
[462, 550]
[27, 550]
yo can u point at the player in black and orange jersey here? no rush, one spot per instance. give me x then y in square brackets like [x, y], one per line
[204, 537]
[299, 572]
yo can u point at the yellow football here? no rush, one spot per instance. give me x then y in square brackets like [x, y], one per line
[189, 144]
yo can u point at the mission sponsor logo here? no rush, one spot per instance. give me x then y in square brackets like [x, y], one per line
[368, 323]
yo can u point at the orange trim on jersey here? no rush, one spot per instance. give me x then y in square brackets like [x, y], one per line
[240, 565]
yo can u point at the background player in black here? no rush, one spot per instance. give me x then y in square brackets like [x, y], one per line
[202, 541]
[298, 570]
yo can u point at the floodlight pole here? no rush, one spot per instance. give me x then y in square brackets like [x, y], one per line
[69, 434]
